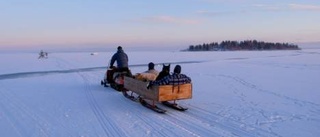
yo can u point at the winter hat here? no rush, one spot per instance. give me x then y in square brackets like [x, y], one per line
[151, 65]
[177, 69]
[119, 48]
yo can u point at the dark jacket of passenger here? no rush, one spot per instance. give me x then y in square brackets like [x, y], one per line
[174, 79]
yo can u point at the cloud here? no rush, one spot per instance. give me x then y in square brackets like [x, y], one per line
[212, 13]
[224, 1]
[262, 7]
[287, 7]
[170, 20]
[304, 7]
[268, 7]
[218, 13]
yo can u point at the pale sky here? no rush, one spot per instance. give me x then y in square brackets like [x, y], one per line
[55, 23]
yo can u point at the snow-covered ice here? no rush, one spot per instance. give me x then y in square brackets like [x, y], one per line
[243, 93]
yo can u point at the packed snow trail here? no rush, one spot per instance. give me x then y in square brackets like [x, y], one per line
[65, 98]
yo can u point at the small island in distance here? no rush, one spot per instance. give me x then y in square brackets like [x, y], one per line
[242, 45]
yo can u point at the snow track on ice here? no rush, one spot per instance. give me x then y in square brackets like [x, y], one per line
[235, 127]
[107, 124]
[151, 122]
[23, 117]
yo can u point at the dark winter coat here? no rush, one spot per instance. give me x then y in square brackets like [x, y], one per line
[174, 79]
[122, 59]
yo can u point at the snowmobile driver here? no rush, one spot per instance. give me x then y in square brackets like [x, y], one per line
[122, 61]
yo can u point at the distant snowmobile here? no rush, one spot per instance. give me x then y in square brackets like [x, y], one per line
[43, 54]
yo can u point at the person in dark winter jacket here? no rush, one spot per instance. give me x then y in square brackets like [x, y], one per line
[175, 79]
[122, 60]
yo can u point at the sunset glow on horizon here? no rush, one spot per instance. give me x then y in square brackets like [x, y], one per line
[147, 23]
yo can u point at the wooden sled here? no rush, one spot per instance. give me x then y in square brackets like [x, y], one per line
[158, 93]
[163, 93]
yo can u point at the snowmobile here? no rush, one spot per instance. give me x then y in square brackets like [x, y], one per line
[136, 90]
[114, 79]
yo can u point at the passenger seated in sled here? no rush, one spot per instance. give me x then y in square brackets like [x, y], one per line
[151, 69]
[175, 79]
[149, 75]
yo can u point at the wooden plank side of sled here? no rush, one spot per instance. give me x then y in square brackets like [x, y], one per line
[140, 88]
[159, 93]
[175, 92]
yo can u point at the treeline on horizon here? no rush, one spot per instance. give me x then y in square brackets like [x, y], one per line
[242, 45]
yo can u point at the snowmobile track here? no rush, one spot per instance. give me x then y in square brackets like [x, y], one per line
[105, 122]
[16, 105]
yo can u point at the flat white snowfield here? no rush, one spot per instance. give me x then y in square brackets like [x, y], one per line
[235, 94]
